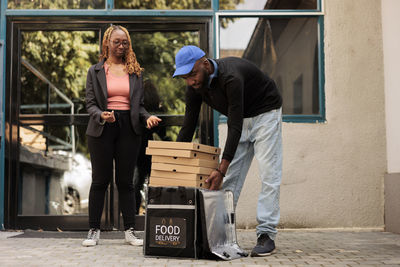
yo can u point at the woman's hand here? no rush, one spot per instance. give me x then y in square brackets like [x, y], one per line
[152, 121]
[108, 116]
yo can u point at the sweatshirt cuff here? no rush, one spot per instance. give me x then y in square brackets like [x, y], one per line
[227, 157]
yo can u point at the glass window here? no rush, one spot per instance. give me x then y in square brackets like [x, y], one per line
[55, 170]
[155, 52]
[286, 49]
[53, 181]
[56, 4]
[162, 5]
[53, 80]
[266, 4]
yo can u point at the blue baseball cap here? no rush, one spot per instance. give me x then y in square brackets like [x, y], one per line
[185, 59]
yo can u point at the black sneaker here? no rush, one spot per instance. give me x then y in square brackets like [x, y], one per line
[265, 246]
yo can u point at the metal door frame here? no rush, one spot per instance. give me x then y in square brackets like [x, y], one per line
[12, 118]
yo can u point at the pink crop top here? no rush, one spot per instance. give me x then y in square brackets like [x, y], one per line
[117, 90]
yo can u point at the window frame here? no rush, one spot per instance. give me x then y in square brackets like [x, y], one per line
[17, 25]
[319, 14]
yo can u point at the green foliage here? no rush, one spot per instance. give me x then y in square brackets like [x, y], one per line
[55, 4]
[62, 57]
[229, 4]
[121, 4]
[163, 4]
[156, 52]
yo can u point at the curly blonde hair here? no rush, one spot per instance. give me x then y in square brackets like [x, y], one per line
[131, 63]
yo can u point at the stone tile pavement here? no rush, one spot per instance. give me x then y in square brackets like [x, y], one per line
[294, 248]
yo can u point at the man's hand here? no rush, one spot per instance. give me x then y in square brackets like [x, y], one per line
[217, 176]
[215, 180]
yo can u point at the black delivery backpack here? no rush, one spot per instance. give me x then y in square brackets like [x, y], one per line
[187, 222]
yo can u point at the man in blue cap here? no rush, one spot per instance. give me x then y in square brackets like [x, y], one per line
[251, 101]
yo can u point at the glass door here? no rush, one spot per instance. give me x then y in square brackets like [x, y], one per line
[48, 170]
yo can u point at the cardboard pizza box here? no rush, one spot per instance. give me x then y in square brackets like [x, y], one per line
[184, 146]
[160, 181]
[185, 161]
[178, 175]
[180, 153]
[181, 168]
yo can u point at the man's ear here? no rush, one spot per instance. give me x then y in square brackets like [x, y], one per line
[207, 65]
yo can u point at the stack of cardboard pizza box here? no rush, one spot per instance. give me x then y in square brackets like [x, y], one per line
[181, 163]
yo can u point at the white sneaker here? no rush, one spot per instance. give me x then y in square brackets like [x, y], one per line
[92, 239]
[132, 239]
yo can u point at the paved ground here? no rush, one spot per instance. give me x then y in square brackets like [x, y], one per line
[294, 248]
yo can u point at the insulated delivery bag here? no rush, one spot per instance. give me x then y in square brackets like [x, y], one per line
[189, 222]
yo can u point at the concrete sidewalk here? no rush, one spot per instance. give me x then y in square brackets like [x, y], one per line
[294, 248]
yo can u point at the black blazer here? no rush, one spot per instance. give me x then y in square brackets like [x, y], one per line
[96, 100]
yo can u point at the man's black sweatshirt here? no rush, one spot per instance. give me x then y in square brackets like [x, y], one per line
[240, 90]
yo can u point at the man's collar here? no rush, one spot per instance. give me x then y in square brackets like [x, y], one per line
[215, 73]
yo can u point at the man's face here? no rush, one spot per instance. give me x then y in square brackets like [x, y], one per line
[198, 77]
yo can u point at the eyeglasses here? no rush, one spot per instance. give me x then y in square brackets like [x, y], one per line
[118, 43]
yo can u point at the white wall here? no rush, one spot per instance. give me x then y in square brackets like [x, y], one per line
[333, 172]
[391, 48]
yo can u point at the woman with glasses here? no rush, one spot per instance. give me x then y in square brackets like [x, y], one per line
[114, 101]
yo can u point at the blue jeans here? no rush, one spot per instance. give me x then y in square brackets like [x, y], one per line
[261, 137]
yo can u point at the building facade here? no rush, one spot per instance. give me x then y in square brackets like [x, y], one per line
[334, 62]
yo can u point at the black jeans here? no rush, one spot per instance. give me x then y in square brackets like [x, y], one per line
[118, 143]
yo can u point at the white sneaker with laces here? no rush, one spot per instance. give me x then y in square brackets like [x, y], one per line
[132, 239]
[92, 239]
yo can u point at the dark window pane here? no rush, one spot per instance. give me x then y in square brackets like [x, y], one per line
[266, 4]
[163, 5]
[56, 4]
[286, 49]
[54, 179]
[298, 95]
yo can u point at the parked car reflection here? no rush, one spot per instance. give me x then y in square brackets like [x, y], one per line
[76, 184]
